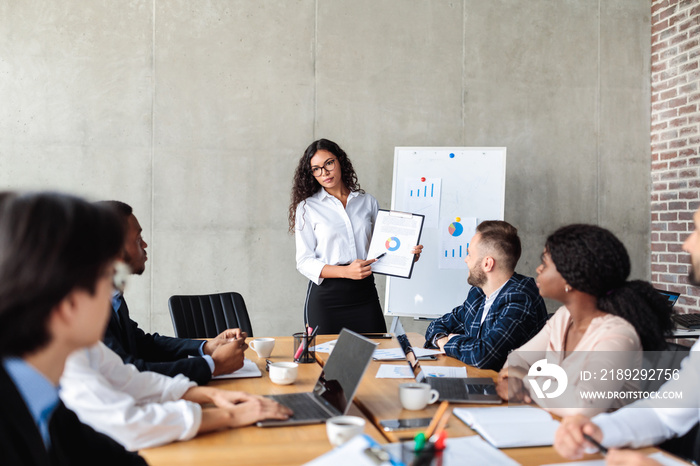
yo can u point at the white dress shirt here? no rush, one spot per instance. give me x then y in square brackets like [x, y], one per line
[328, 234]
[137, 409]
[650, 422]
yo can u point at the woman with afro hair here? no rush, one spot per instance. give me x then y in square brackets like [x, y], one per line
[604, 324]
[332, 219]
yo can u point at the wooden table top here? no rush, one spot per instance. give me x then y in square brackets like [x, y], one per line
[375, 400]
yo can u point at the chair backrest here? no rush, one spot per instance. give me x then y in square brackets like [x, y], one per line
[205, 316]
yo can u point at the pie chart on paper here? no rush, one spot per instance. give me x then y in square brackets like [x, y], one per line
[393, 243]
[455, 229]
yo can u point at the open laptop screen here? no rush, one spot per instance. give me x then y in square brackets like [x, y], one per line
[343, 371]
[672, 296]
[410, 357]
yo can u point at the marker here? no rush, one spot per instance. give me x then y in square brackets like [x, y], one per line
[380, 256]
[603, 451]
[419, 442]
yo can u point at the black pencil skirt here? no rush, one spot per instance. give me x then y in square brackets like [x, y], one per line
[339, 303]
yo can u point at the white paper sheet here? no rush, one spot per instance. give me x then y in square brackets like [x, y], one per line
[660, 457]
[395, 234]
[394, 371]
[249, 369]
[397, 354]
[444, 371]
[454, 240]
[323, 347]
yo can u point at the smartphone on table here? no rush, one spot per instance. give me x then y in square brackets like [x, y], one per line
[390, 425]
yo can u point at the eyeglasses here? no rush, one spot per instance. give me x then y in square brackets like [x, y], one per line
[329, 166]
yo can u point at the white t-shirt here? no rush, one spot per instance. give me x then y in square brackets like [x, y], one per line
[328, 234]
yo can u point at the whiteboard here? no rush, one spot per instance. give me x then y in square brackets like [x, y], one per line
[456, 187]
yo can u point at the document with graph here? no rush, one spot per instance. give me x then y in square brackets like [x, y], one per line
[394, 236]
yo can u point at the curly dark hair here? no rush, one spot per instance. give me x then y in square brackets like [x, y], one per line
[591, 259]
[305, 185]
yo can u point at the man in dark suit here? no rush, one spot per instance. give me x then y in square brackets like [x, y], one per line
[56, 271]
[153, 352]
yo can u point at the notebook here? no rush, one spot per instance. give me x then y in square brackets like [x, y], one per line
[510, 427]
[455, 389]
[335, 387]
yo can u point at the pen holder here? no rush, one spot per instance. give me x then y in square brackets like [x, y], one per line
[428, 455]
[304, 341]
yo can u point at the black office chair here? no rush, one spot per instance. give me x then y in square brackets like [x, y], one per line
[205, 316]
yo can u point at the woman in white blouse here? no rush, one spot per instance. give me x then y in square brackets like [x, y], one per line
[332, 219]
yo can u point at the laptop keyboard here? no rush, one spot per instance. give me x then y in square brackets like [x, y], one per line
[449, 390]
[688, 320]
[302, 404]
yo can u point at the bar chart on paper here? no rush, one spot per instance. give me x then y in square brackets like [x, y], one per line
[423, 197]
[456, 234]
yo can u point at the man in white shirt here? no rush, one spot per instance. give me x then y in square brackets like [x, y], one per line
[646, 422]
[147, 409]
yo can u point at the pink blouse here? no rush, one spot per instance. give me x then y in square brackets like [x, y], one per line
[610, 343]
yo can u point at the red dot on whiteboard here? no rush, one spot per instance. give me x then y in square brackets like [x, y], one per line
[423, 179]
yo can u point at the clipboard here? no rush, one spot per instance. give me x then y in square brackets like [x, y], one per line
[394, 236]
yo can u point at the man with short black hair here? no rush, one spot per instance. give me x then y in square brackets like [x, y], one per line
[57, 257]
[503, 309]
[153, 352]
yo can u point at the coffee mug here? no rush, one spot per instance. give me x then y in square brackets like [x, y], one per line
[263, 346]
[283, 373]
[340, 429]
[416, 396]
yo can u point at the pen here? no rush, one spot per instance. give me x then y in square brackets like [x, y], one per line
[419, 441]
[603, 451]
[437, 419]
[380, 256]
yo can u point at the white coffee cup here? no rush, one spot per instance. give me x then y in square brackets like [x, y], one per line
[283, 373]
[340, 429]
[263, 346]
[416, 396]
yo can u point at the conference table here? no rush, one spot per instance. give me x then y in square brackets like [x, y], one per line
[376, 399]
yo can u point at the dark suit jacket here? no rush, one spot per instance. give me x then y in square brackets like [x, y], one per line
[72, 442]
[153, 352]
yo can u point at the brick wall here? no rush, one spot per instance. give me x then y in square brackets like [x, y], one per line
[675, 138]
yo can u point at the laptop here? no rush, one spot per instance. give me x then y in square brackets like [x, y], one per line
[454, 389]
[335, 387]
[672, 296]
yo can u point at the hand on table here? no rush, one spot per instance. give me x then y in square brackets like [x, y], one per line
[224, 337]
[511, 388]
[228, 357]
[569, 441]
[256, 408]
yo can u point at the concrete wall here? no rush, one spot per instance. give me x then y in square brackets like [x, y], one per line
[195, 112]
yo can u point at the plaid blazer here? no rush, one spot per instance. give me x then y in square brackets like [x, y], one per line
[516, 315]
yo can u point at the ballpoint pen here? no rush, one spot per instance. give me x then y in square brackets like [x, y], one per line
[603, 451]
